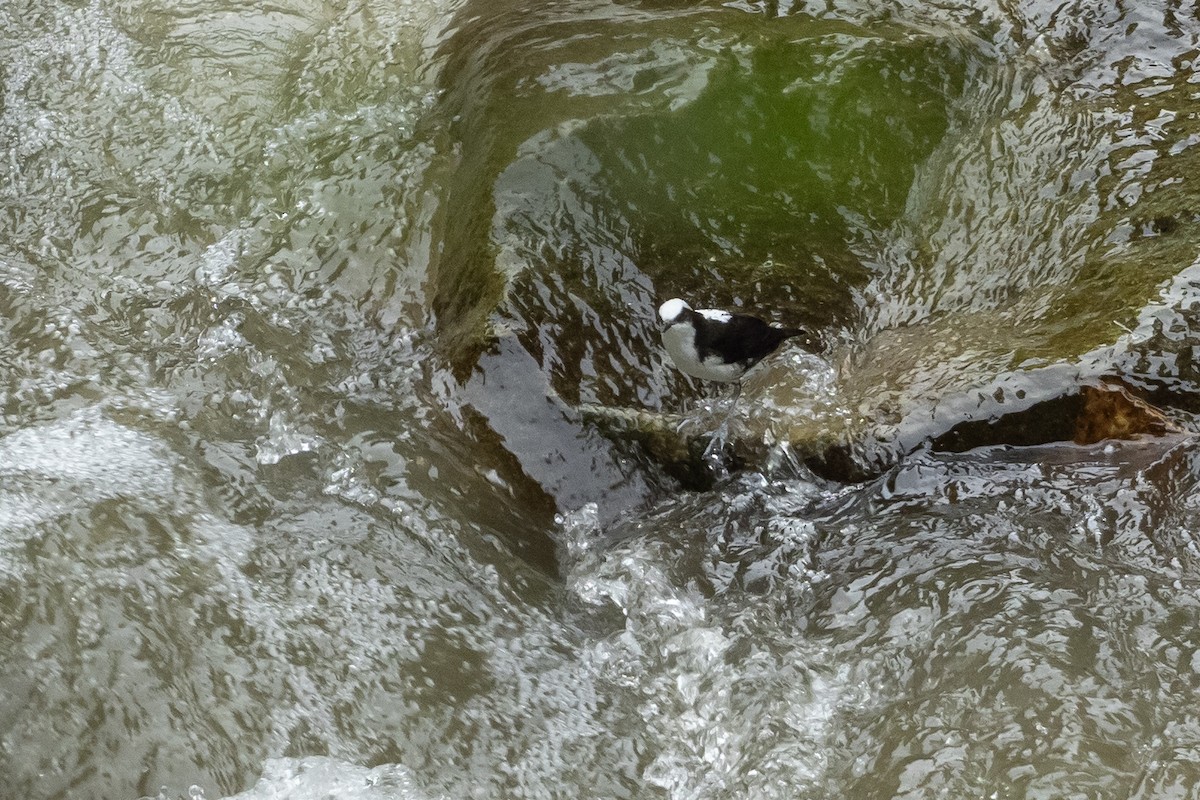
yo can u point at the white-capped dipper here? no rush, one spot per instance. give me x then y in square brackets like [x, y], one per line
[717, 345]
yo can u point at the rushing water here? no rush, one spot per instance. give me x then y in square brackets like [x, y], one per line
[303, 307]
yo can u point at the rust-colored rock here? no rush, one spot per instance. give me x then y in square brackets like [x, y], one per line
[1111, 411]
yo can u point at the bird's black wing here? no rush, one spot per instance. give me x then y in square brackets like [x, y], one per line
[741, 339]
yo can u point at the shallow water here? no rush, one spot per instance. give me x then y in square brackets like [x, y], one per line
[303, 307]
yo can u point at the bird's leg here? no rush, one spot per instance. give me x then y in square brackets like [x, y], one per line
[737, 391]
[721, 434]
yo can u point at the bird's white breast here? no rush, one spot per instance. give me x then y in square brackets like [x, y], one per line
[679, 340]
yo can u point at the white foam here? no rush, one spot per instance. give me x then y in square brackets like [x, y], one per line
[284, 438]
[320, 778]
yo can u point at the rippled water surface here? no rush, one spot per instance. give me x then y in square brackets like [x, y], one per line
[339, 456]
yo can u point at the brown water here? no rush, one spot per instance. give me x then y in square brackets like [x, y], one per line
[302, 307]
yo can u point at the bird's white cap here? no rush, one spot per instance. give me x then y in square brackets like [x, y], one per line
[671, 309]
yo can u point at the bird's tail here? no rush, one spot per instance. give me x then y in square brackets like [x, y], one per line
[810, 342]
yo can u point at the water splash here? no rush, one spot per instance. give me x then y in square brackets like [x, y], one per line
[317, 778]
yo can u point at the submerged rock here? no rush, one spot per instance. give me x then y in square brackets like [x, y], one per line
[1106, 410]
[1083, 414]
[1112, 411]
